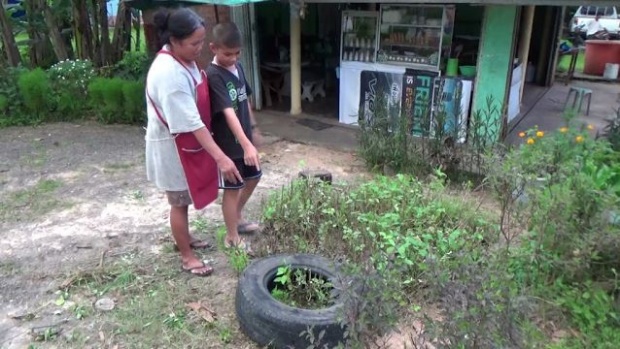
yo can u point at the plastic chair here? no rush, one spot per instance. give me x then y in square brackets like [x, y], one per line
[580, 94]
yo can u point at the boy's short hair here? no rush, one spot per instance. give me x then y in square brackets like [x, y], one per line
[227, 35]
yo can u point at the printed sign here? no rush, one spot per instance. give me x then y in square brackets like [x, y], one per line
[373, 83]
[417, 98]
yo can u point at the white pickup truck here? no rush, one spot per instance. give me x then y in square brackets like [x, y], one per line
[610, 19]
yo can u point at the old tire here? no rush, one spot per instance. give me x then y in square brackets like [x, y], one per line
[267, 321]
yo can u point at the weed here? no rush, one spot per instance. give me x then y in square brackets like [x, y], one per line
[300, 288]
[200, 225]
[399, 143]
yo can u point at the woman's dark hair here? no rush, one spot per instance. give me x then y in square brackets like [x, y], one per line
[178, 24]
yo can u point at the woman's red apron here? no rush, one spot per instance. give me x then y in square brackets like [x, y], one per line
[199, 166]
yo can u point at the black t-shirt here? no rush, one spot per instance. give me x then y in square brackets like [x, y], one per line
[228, 91]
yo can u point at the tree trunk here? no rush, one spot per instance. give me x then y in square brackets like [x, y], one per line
[82, 30]
[106, 58]
[122, 32]
[138, 25]
[58, 43]
[97, 20]
[8, 40]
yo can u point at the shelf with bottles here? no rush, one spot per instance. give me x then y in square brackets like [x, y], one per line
[407, 57]
[359, 36]
[410, 34]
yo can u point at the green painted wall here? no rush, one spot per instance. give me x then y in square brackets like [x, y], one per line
[494, 65]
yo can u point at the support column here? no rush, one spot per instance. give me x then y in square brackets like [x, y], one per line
[524, 42]
[295, 60]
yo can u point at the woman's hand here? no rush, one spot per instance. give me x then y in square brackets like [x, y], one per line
[229, 170]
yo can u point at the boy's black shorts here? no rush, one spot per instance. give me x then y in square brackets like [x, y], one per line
[247, 173]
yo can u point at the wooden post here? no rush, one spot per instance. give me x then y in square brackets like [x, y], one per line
[524, 44]
[295, 60]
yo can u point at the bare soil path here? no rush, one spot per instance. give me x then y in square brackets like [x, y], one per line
[79, 222]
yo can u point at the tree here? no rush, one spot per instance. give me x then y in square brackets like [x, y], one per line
[8, 40]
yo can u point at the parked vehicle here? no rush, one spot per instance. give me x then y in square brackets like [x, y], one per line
[609, 19]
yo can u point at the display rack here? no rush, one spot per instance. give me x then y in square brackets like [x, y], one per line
[411, 35]
[359, 36]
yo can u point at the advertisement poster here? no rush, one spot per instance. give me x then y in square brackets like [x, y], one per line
[417, 98]
[372, 83]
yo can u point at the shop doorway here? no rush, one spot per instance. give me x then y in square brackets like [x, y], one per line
[320, 30]
[541, 54]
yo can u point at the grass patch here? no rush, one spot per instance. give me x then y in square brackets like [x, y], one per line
[35, 201]
[564, 63]
[8, 268]
[38, 158]
[115, 167]
[156, 306]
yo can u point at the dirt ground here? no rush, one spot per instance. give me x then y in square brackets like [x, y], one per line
[80, 223]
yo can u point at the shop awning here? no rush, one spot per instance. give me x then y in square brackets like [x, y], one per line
[149, 4]
[483, 2]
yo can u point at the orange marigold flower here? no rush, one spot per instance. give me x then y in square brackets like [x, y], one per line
[590, 127]
[539, 134]
[531, 141]
[563, 129]
[579, 139]
[521, 134]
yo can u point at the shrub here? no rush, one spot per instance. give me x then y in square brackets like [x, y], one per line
[70, 81]
[115, 100]
[13, 109]
[134, 102]
[395, 143]
[612, 131]
[134, 66]
[106, 99]
[72, 76]
[35, 88]
[562, 188]
[385, 232]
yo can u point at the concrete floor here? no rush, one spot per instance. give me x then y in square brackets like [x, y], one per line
[548, 112]
[541, 107]
[285, 126]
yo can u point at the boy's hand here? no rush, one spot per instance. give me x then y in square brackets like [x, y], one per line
[229, 170]
[250, 156]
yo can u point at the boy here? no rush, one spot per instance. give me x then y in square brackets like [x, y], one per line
[234, 128]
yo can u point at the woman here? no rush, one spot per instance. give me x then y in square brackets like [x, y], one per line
[176, 114]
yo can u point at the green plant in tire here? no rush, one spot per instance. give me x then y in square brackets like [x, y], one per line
[300, 288]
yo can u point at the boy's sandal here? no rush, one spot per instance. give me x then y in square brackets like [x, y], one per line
[248, 228]
[203, 270]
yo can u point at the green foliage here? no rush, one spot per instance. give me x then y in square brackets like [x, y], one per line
[72, 76]
[13, 106]
[134, 102]
[300, 288]
[385, 232]
[115, 100]
[36, 90]
[399, 143]
[612, 131]
[134, 66]
[561, 189]
[70, 81]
